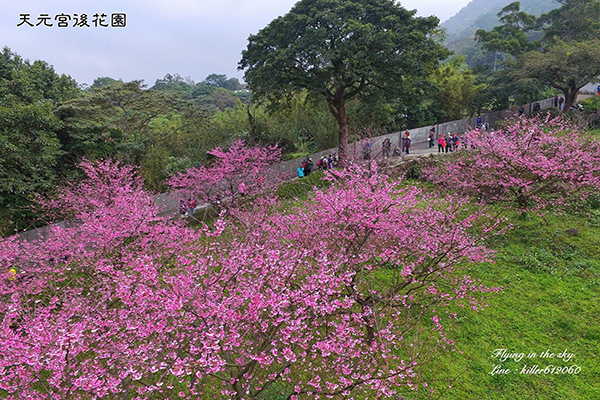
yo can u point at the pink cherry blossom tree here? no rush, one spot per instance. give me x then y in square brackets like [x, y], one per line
[533, 164]
[236, 172]
[334, 298]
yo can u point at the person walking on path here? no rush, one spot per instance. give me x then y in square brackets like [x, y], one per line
[448, 141]
[307, 167]
[322, 164]
[441, 144]
[407, 142]
[367, 151]
[386, 147]
[455, 141]
[183, 210]
[192, 206]
[431, 137]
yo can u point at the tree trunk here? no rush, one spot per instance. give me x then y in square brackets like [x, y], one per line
[252, 122]
[338, 109]
[570, 97]
[343, 136]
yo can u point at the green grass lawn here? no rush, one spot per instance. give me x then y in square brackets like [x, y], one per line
[551, 280]
[594, 132]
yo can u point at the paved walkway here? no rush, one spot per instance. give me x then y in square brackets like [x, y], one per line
[416, 150]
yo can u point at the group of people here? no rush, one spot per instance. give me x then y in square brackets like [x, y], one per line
[324, 163]
[386, 147]
[448, 143]
[187, 208]
[481, 124]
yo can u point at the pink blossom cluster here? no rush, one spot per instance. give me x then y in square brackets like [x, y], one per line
[237, 171]
[329, 299]
[534, 163]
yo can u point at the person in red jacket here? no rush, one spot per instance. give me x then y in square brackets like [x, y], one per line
[441, 144]
[407, 142]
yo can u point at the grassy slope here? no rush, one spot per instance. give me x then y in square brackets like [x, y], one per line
[551, 279]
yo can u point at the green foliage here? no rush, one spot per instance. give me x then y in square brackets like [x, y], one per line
[591, 104]
[154, 129]
[175, 83]
[510, 37]
[31, 82]
[507, 88]
[29, 151]
[215, 93]
[104, 81]
[565, 58]
[341, 50]
[575, 20]
[120, 113]
[458, 90]
[223, 98]
[482, 14]
[216, 80]
[566, 66]
[29, 147]
[312, 50]
[303, 126]
[221, 81]
[301, 187]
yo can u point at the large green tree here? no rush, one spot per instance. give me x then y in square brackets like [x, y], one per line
[565, 66]
[29, 152]
[29, 147]
[458, 90]
[339, 50]
[575, 20]
[511, 37]
[154, 129]
[567, 54]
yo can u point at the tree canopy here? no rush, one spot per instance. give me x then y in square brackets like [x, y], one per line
[29, 148]
[129, 304]
[510, 37]
[458, 90]
[566, 57]
[339, 50]
[565, 66]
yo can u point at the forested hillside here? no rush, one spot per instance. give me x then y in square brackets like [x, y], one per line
[483, 14]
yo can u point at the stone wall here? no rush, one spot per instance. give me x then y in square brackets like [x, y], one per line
[417, 135]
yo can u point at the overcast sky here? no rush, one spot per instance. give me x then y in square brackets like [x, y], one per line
[191, 37]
